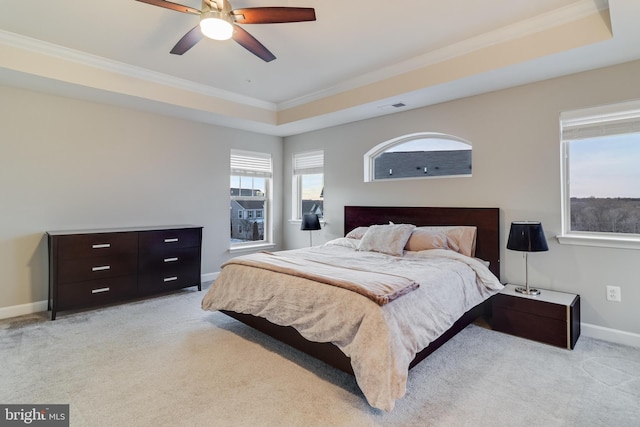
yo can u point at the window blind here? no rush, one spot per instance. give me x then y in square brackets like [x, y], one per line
[308, 163]
[249, 163]
[601, 121]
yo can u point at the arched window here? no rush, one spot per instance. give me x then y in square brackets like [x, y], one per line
[418, 155]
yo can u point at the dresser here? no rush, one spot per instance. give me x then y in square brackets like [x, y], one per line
[93, 267]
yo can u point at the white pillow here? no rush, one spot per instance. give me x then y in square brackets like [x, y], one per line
[343, 241]
[388, 239]
[357, 233]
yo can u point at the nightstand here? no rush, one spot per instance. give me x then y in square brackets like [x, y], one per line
[550, 317]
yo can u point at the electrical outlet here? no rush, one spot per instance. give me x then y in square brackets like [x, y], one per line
[613, 293]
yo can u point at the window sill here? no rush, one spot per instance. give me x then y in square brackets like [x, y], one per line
[251, 247]
[299, 221]
[600, 241]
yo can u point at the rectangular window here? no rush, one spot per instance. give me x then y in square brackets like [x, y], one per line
[250, 189]
[308, 184]
[601, 191]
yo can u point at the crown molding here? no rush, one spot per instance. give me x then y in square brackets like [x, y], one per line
[67, 54]
[536, 24]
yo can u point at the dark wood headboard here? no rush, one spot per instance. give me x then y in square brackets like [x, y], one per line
[487, 220]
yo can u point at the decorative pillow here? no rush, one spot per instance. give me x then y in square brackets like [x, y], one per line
[343, 241]
[462, 236]
[357, 233]
[422, 240]
[389, 239]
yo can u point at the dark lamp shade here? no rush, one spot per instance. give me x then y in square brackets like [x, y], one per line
[527, 236]
[310, 222]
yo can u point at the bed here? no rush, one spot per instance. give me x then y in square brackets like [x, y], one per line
[378, 342]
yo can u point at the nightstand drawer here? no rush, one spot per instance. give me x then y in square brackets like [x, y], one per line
[531, 326]
[550, 317]
[538, 307]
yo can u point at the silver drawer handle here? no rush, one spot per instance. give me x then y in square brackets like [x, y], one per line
[171, 259]
[170, 279]
[101, 245]
[171, 240]
[101, 268]
[99, 290]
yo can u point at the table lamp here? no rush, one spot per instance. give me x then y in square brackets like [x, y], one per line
[310, 222]
[527, 236]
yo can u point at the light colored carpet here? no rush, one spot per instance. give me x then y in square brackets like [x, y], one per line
[165, 362]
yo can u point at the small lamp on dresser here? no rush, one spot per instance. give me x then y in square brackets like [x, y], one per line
[527, 236]
[310, 222]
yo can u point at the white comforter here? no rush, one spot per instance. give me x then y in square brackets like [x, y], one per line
[380, 340]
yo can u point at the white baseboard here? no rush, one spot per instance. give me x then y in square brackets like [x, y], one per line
[209, 277]
[38, 306]
[22, 309]
[611, 335]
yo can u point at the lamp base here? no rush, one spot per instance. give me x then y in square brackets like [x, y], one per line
[530, 291]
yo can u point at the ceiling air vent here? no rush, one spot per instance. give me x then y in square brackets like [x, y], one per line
[392, 106]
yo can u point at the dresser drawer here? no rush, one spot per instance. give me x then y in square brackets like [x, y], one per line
[81, 269]
[75, 246]
[169, 258]
[159, 240]
[95, 292]
[169, 278]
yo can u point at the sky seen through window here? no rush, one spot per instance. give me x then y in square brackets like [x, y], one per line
[605, 167]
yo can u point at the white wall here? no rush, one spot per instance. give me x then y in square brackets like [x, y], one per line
[70, 164]
[516, 167]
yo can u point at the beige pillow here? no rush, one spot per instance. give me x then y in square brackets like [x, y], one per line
[357, 233]
[422, 240]
[462, 236]
[388, 239]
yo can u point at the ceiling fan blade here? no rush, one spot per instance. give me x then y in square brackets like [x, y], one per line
[188, 41]
[173, 6]
[246, 40]
[273, 15]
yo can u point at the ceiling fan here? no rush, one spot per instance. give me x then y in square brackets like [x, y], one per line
[219, 21]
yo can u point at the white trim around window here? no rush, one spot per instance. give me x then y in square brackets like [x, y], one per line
[307, 163]
[575, 126]
[416, 145]
[254, 166]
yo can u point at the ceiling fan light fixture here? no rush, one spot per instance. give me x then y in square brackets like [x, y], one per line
[214, 26]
